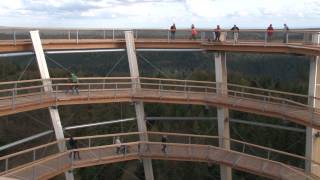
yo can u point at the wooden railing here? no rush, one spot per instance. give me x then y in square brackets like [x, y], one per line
[302, 36]
[90, 144]
[8, 89]
[21, 93]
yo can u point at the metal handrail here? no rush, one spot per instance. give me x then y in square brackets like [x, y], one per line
[304, 33]
[159, 134]
[90, 84]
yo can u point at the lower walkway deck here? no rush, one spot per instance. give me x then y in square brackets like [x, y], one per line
[176, 149]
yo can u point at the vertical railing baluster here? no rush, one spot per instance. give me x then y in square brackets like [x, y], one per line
[265, 38]
[13, 99]
[14, 38]
[41, 91]
[77, 36]
[206, 91]
[89, 89]
[160, 88]
[34, 155]
[7, 164]
[69, 35]
[243, 148]
[56, 94]
[112, 34]
[104, 34]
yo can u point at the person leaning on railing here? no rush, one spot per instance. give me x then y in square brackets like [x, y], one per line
[269, 32]
[217, 33]
[194, 32]
[74, 145]
[118, 143]
[285, 33]
[235, 31]
[164, 140]
[75, 87]
[173, 31]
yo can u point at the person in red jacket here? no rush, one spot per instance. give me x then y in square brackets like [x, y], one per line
[194, 32]
[269, 32]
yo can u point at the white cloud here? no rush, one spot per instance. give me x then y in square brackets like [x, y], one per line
[160, 13]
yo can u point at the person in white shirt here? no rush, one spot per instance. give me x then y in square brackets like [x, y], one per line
[118, 142]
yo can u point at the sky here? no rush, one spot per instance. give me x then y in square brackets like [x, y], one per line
[159, 13]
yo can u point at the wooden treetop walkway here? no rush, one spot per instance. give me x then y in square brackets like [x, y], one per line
[29, 95]
[97, 150]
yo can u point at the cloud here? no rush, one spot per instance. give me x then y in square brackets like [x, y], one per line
[158, 13]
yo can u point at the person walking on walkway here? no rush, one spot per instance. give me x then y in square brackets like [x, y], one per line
[235, 31]
[74, 80]
[194, 32]
[73, 145]
[285, 33]
[118, 143]
[173, 30]
[269, 32]
[217, 33]
[164, 140]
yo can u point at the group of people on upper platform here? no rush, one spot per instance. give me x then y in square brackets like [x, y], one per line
[235, 32]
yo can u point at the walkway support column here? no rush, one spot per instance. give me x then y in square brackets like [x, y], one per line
[44, 73]
[222, 112]
[312, 136]
[139, 107]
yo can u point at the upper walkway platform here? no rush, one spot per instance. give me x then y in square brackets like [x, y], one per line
[45, 161]
[21, 96]
[304, 42]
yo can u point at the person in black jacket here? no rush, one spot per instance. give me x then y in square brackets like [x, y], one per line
[164, 139]
[235, 31]
[73, 145]
[173, 31]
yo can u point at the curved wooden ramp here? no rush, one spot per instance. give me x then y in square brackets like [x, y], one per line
[57, 164]
[153, 90]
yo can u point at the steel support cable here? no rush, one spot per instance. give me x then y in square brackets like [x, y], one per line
[115, 65]
[58, 64]
[154, 66]
[290, 146]
[37, 120]
[25, 69]
[68, 119]
[45, 149]
[236, 131]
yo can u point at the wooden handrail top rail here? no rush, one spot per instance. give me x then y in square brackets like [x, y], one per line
[66, 139]
[157, 79]
[208, 147]
[272, 97]
[182, 134]
[267, 90]
[11, 29]
[159, 133]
